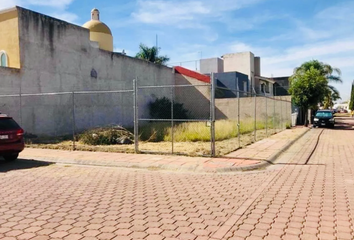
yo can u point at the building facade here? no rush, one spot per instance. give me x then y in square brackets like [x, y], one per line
[245, 63]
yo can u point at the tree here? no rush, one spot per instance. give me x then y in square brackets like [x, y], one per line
[351, 104]
[332, 74]
[331, 96]
[307, 88]
[151, 55]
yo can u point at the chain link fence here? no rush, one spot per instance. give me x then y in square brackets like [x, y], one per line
[185, 118]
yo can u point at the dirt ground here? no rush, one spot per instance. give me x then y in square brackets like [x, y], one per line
[186, 148]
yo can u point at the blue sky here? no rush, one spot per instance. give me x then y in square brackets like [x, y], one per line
[284, 33]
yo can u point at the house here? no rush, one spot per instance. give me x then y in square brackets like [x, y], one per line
[245, 63]
[281, 86]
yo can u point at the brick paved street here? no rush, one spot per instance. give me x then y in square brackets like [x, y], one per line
[289, 200]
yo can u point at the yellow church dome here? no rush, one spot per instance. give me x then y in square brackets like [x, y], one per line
[99, 32]
[97, 26]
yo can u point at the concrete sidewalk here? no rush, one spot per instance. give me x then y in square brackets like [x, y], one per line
[257, 155]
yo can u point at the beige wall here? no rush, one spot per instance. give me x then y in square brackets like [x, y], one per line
[9, 37]
[196, 99]
[279, 106]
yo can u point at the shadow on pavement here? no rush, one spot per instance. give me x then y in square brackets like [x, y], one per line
[21, 164]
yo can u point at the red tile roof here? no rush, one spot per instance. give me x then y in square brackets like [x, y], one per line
[193, 74]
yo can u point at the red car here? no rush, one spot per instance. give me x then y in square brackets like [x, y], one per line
[11, 138]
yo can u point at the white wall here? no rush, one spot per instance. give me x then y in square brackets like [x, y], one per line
[211, 65]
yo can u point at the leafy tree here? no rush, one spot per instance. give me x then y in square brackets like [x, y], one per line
[151, 55]
[351, 104]
[308, 88]
[332, 74]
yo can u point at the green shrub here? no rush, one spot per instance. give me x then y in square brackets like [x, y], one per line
[161, 109]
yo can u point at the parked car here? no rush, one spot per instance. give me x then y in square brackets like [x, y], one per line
[11, 138]
[324, 118]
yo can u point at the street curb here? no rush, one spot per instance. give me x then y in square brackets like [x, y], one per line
[268, 161]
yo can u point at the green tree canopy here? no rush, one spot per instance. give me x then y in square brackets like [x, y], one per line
[151, 55]
[307, 88]
[351, 103]
[332, 74]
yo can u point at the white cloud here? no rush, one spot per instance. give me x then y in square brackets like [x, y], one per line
[61, 4]
[48, 3]
[342, 12]
[315, 50]
[65, 16]
[189, 12]
[243, 47]
[59, 7]
[338, 53]
[163, 12]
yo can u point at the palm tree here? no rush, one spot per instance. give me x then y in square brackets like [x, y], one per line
[331, 96]
[151, 55]
[332, 74]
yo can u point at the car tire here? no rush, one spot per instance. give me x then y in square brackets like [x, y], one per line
[10, 157]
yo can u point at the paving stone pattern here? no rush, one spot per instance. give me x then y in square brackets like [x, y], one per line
[76, 202]
[289, 200]
[308, 202]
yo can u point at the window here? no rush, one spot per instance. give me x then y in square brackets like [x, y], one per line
[263, 88]
[324, 114]
[3, 59]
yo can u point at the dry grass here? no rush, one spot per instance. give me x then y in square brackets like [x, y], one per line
[191, 138]
[189, 148]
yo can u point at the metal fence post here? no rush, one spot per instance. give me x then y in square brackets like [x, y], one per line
[255, 115]
[281, 115]
[21, 104]
[73, 119]
[212, 115]
[136, 115]
[274, 125]
[238, 113]
[172, 136]
[266, 103]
